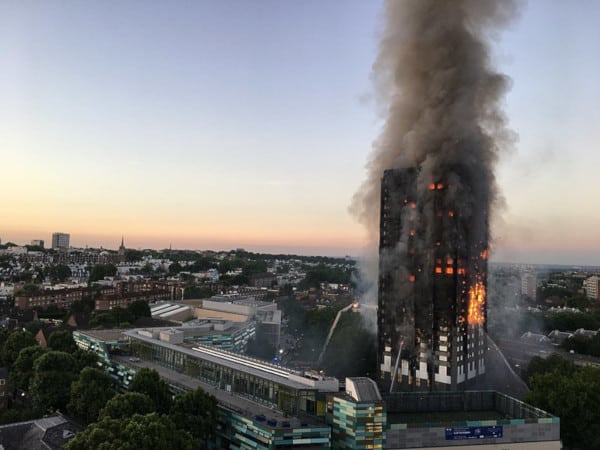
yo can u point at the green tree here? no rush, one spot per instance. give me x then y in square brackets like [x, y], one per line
[575, 399]
[126, 405]
[202, 264]
[22, 371]
[322, 273]
[196, 412]
[62, 341]
[197, 292]
[579, 301]
[295, 314]
[15, 342]
[147, 381]
[148, 432]
[352, 349]
[175, 268]
[51, 383]
[139, 309]
[99, 271]
[30, 288]
[571, 321]
[256, 266]
[121, 315]
[4, 333]
[85, 359]
[133, 255]
[552, 363]
[89, 394]
[58, 273]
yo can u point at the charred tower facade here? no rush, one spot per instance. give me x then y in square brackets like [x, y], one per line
[432, 283]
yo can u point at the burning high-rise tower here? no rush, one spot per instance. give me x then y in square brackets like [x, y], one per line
[432, 283]
[432, 174]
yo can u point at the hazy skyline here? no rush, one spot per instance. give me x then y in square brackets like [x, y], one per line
[239, 124]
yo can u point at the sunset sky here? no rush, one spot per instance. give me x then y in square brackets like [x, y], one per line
[220, 124]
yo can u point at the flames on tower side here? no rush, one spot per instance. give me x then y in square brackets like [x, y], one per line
[432, 284]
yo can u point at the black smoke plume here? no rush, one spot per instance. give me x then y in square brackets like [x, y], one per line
[441, 100]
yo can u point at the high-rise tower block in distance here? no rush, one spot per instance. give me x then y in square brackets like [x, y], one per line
[60, 241]
[432, 284]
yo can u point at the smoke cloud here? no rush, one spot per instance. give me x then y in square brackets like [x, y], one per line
[441, 100]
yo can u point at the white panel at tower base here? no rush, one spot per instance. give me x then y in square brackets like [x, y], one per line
[386, 365]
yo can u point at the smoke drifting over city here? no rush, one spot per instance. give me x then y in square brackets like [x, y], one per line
[441, 100]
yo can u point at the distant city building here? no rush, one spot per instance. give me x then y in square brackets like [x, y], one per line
[592, 287]
[38, 243]
[529, 285]
[60, 241]
[16, 250]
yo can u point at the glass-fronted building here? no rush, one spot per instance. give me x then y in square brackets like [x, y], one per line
[262, 382]
[266, 407]
[357, 416]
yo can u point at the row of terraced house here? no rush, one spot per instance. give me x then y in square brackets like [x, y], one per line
[120, 294]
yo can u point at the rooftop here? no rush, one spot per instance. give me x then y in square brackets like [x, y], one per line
[105, 335]
[362, 389]
[460, 408]
[240, 405]
[256, 367]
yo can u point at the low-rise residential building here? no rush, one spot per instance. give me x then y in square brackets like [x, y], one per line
[60, 298]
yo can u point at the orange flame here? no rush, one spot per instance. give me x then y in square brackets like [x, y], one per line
[476, 304]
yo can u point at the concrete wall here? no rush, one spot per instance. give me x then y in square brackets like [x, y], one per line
[228, 307]
[540, 434]
[554, 445]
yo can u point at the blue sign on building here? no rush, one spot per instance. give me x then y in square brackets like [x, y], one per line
[453, 434]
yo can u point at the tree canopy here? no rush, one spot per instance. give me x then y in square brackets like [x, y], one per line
[147, 381]
[22, 371]
[99, 271]
[322, 274]
[62, 341]
[51, 383]
[575, 398]
[352, 349]
[139, 432]
[14, 343]
[196, 412]
[90, 393]
[139, 309]
[126, 405]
